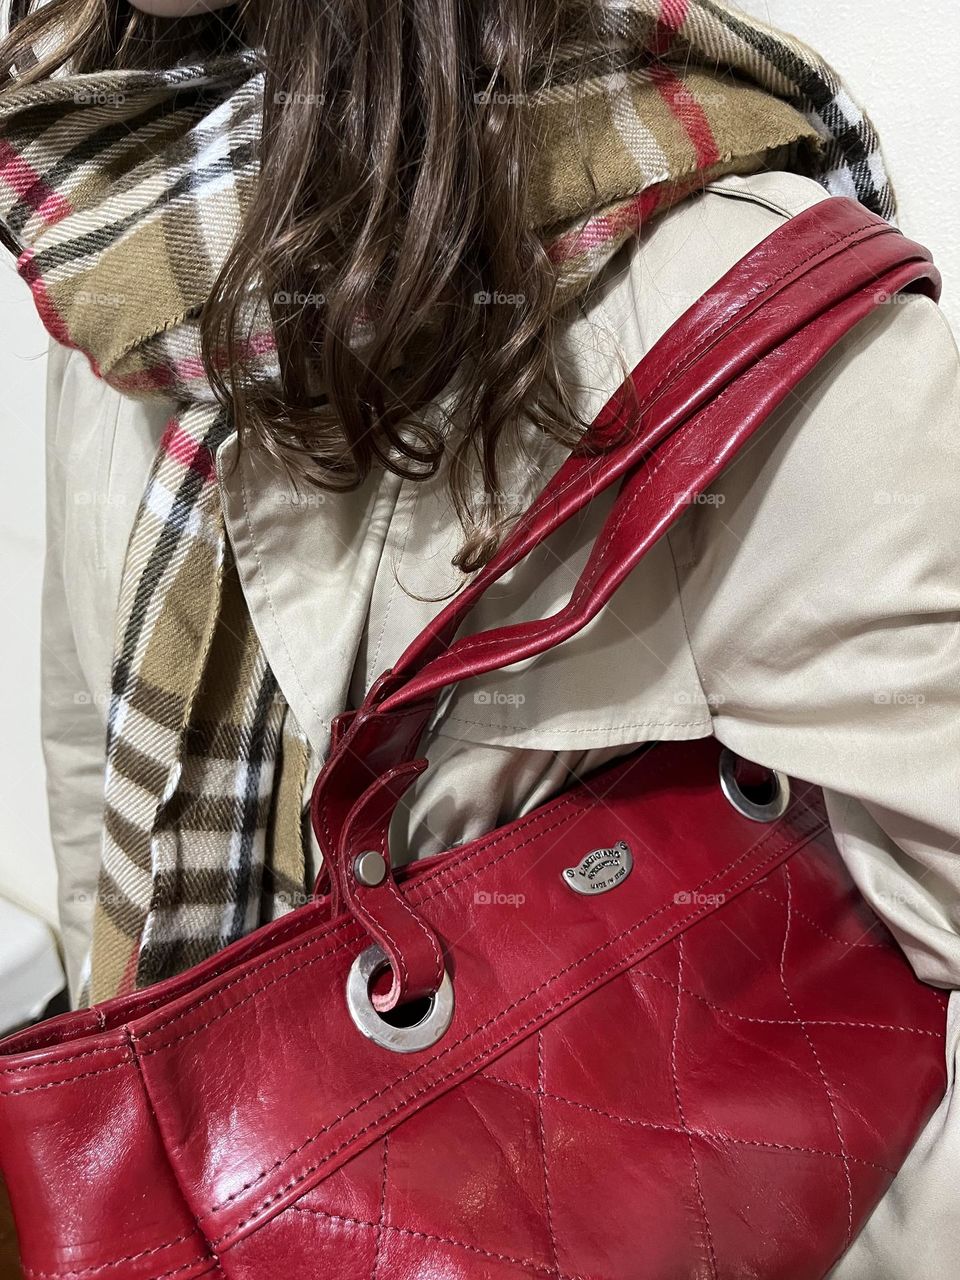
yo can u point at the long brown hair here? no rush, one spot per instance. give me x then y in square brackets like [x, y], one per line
[392, 204]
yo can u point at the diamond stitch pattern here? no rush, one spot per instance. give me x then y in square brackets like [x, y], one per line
[651, 1166]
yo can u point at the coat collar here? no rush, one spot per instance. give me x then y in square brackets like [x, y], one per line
[307, 562]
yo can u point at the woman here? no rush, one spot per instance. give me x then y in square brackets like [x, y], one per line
[458, 270]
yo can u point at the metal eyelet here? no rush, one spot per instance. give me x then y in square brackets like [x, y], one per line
[398, 1039]
[771, 809]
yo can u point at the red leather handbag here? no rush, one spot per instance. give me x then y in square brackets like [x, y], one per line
[685, 1049]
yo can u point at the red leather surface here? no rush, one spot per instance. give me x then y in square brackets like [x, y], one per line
[653, 1132]
[712, 1070]
[729, 1015]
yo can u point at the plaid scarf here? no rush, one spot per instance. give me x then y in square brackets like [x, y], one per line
[123, 193]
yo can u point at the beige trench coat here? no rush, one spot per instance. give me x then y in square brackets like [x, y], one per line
[807, 612]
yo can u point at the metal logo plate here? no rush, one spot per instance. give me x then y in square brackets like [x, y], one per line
[600, 870]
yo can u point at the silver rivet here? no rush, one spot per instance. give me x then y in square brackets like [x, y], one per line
[370, 868]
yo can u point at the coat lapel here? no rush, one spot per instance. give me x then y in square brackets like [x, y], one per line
[308, 561]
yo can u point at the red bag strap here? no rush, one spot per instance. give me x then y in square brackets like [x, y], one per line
[755, 308]
[694, 399]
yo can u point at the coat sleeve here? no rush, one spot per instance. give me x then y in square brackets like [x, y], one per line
[820, 583]
[72, 712]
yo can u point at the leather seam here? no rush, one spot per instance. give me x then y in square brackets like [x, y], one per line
[377, 927]
[841, 942]
[442, 872]
[105, 1266]
[56, 1084]
[448, 880]
[383, 1207]
[163, 1275]
[555, 1253]
[816, 1057]
[623, 962]
[672, 1128]
[148, 1099]
[312, 960]
[788, 1022]
[426, 1235]
[597, 728]
[697, 1184]
[284, 931]
[87, 1053]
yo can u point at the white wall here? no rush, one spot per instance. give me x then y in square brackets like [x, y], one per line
[900, 60]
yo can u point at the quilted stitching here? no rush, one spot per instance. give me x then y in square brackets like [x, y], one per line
[707, 1232]
[541, 1086]
[813, 1049]
[552, 1165]
[700, 1133]
[381, 1223]
[527, 1264]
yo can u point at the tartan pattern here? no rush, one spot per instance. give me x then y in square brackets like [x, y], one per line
[124, 192]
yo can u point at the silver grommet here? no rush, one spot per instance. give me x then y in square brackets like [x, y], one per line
[423, 1033]
[370, 868]
[769, 810]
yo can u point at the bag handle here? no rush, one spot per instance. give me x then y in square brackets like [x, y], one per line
[738, 322]
[694, 399]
